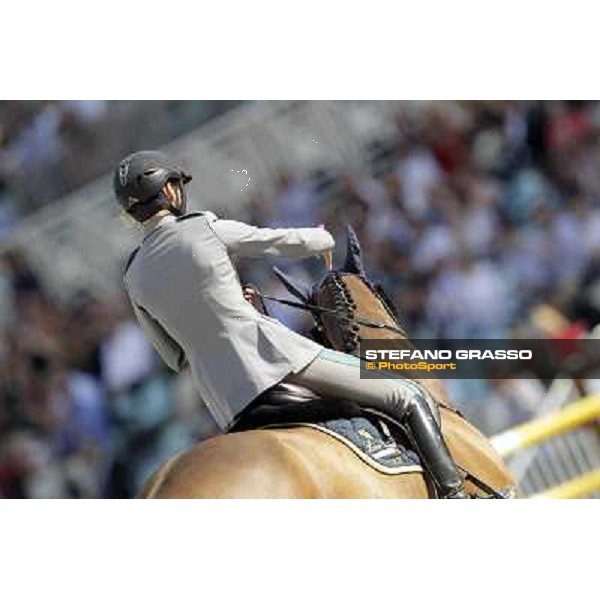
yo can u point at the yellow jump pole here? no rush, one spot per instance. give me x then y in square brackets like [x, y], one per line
[534, 432]
[580, 487]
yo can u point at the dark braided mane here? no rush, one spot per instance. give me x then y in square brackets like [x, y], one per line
[352, 296]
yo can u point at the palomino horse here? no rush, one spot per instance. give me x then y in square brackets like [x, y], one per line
[303, 462]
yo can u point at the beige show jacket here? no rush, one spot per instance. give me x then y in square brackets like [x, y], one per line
[187, 296]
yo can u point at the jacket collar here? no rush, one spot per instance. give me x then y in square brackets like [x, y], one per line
[157, 221]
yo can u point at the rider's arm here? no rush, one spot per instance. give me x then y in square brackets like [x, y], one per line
[168, 349]
[246, 240]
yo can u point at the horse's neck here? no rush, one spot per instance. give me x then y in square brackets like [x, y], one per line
[370, 306]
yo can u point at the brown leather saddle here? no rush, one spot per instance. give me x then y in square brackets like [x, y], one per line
[287, 403]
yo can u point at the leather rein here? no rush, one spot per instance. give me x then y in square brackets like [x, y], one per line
[313, 308]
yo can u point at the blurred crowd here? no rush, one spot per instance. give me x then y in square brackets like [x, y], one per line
[479, 218]
[48, 148]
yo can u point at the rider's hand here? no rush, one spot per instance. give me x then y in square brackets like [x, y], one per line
[327, 255]
[250, 295]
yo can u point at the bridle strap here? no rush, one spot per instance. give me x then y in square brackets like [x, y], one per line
[329, 311]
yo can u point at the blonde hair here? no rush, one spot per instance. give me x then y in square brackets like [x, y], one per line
[128, 221]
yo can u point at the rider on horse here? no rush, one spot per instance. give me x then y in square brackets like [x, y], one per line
[187, 296]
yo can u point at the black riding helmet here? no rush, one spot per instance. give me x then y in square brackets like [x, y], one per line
[139, 180]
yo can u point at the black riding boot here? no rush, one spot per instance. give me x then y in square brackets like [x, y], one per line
[432, 449]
